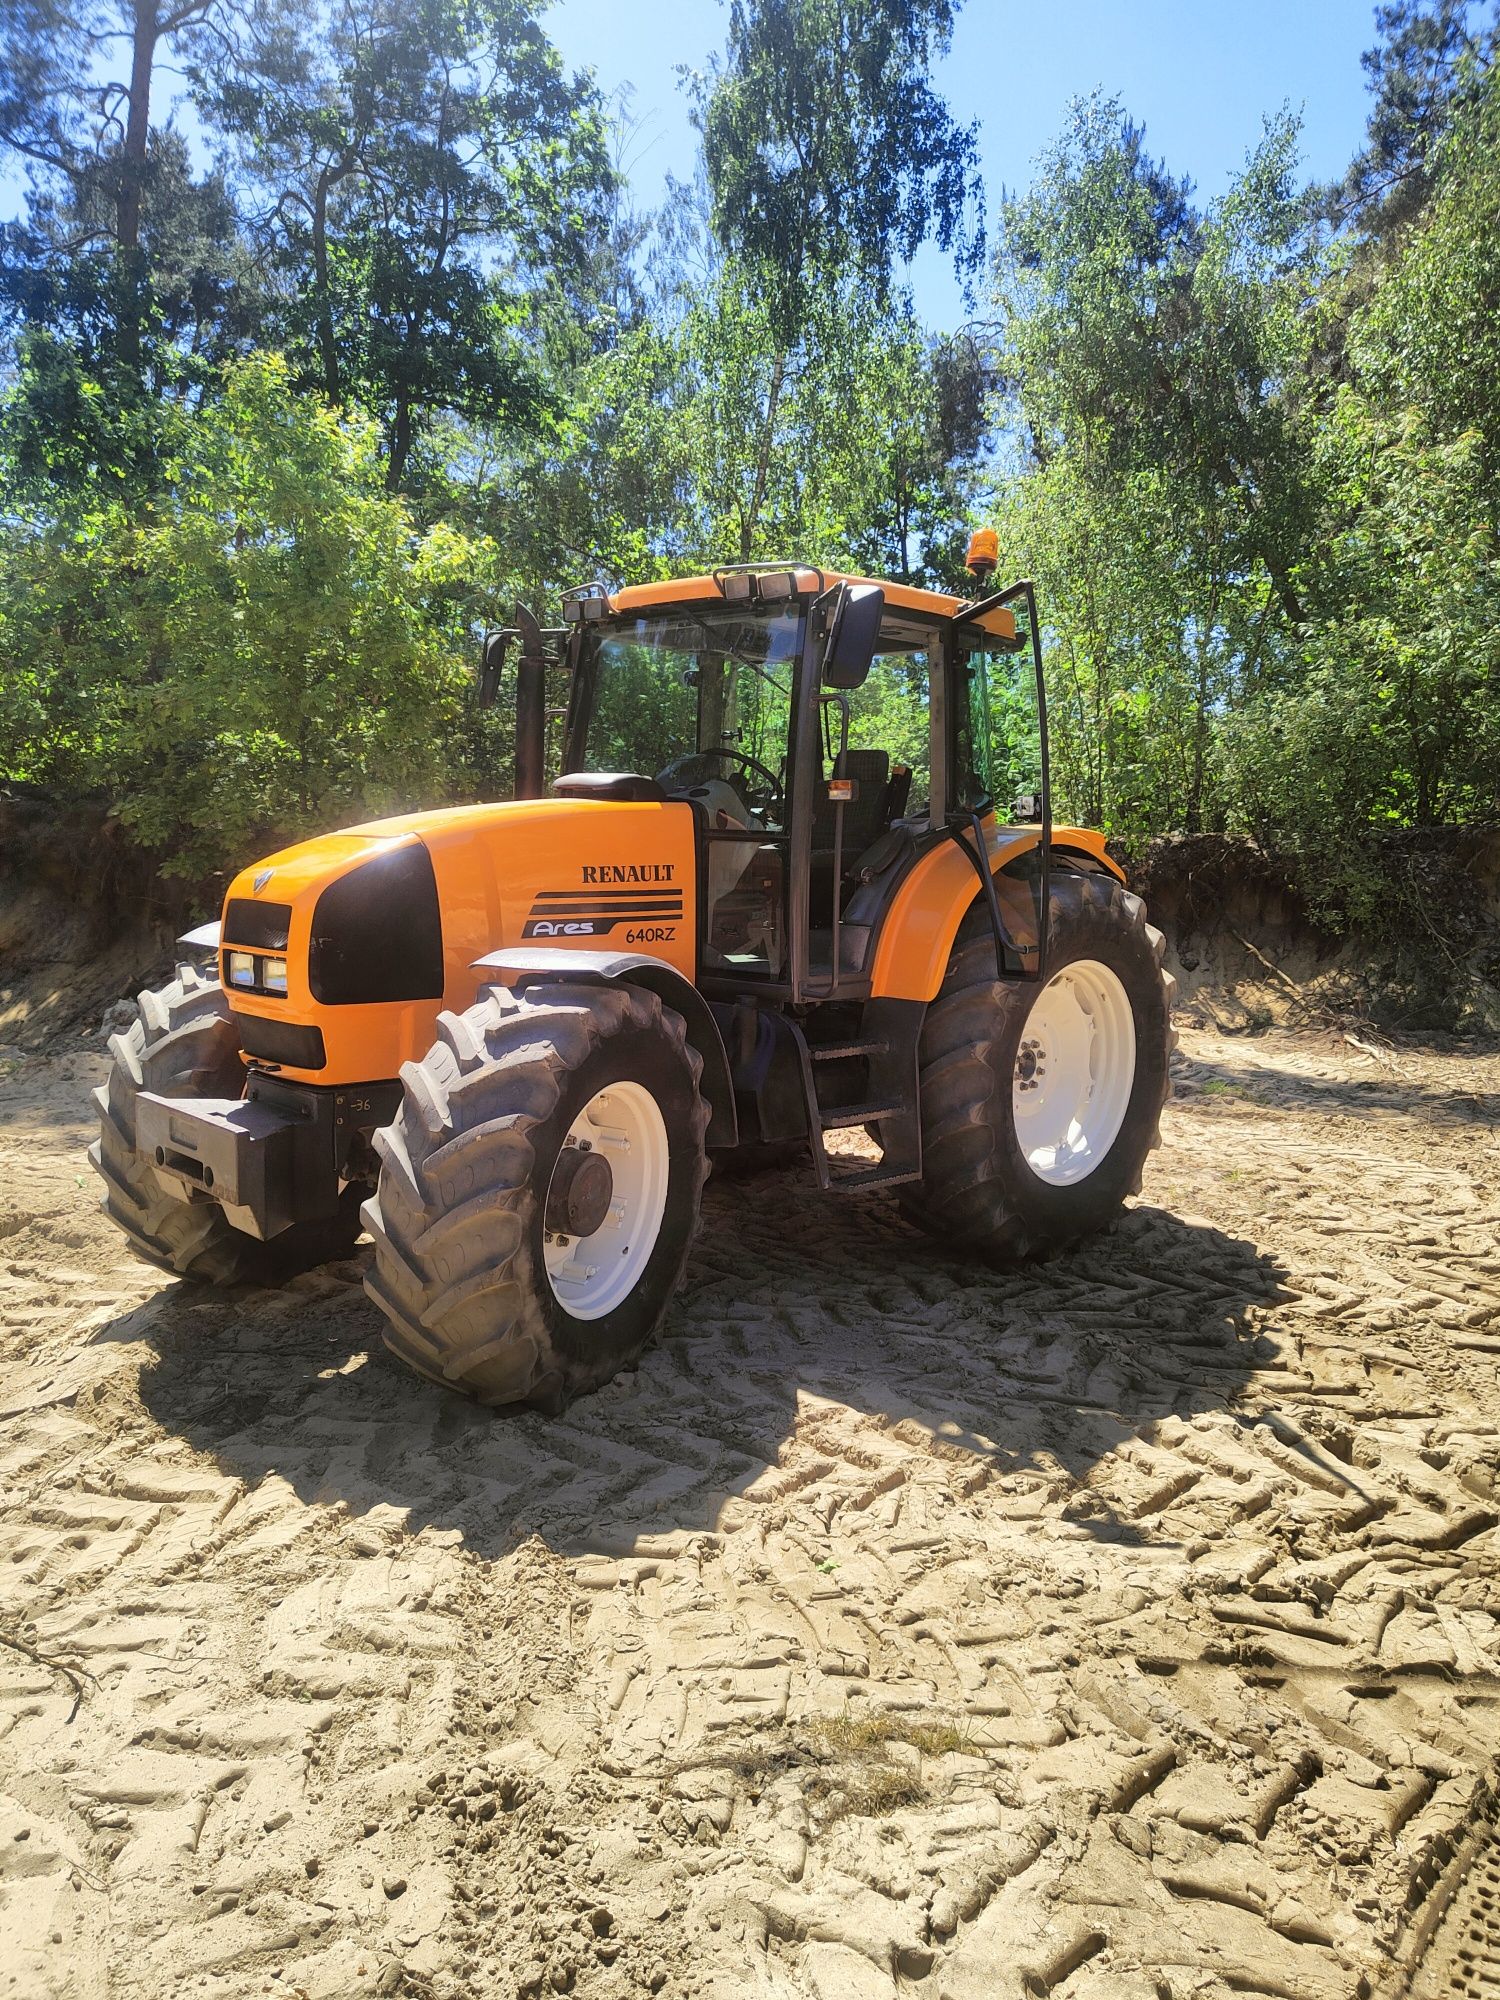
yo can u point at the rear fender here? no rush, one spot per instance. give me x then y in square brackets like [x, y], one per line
[917, 934]
[519, 966]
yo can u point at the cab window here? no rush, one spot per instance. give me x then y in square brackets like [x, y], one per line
[997, 733]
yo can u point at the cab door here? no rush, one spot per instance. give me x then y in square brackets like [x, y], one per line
[1000, 773]
[746, 709]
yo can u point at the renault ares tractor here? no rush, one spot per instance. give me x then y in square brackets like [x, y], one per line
[784, 886]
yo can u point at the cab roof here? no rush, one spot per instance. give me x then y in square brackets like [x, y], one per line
[934, 604]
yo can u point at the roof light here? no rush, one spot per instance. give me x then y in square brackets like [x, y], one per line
[984, 552]
[738, 585]
[777, 584]
[584, 600]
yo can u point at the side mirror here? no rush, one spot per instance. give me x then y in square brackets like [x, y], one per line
[491, 661]
[853, 634]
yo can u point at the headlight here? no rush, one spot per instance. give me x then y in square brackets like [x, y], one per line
[273, 971]
[241, 968]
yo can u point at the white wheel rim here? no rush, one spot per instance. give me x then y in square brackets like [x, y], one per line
[591, 1275]
[1074, 1071]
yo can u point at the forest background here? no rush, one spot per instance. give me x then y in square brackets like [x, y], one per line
[330, 331]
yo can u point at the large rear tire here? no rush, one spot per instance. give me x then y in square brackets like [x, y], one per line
[183, 1044]
[508, 1262]
[1040, 1104]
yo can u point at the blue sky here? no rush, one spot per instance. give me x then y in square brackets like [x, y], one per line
[1199, 74]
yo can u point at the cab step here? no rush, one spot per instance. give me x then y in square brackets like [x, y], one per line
[890, 1048]
[870, 1177]
[840, 1051]
[839, 1116]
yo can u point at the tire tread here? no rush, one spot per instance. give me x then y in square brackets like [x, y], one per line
[452, 1270]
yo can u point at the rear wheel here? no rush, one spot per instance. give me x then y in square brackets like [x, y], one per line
[183, 1044]
[1040, 1104]
[539, 1191]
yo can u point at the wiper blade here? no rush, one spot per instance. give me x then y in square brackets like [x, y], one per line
[720, 644]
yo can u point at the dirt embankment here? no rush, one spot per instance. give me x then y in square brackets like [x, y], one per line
[1248, 948]
[85, 919]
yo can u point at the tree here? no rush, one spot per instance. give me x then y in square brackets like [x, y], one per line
[1388, 720]
[1428, 61]
[1147, 350]
[264, 647]
[1429, 339]
[76, 106]
[828, 152]
[420, 171]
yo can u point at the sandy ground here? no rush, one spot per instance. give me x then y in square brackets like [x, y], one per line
[1121, 1630]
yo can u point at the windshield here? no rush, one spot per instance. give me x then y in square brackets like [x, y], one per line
[694, 698]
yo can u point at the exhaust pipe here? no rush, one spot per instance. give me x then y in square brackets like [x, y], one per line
[531, 709]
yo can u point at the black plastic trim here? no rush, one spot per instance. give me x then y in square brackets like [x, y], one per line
[377, 933]
[280, 1041]
[525, 965]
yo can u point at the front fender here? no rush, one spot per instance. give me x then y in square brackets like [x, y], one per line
[521, 965]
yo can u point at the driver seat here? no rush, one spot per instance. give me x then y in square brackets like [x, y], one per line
[628, 785]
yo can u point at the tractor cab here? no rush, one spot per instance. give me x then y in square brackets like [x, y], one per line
[827, 732]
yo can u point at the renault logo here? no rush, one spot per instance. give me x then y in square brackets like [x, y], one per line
[262, 879]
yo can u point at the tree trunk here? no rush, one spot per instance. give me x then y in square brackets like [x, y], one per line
[401, 443]
[327, 346]
[1193, 818]
[750, 519]
[145, 33]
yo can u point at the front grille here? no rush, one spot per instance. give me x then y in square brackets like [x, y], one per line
[281, 1041]
[261, 926]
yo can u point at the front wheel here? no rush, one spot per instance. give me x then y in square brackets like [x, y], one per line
[1040, 1103]
[539, 1191]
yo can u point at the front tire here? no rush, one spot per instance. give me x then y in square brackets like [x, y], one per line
[1040, 1104]
[508, 1262]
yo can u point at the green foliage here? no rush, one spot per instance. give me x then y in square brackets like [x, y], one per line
[264, 645]
[1430, 338]
[1385, 718]
[1423, 68]
[1392, 720]
[1165, 500]
[422, 169]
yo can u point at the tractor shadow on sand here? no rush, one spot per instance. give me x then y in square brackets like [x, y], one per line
[816, 1340]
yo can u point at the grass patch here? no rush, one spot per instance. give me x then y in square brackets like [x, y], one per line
[853, 1734]
[867, 1792]
[844, 1763]
[857, 1774]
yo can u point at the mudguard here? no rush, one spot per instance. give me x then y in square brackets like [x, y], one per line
[521, 965]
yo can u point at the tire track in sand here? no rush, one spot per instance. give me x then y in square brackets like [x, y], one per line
[1124, 1626]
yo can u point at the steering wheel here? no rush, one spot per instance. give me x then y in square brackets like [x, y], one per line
[680, 775]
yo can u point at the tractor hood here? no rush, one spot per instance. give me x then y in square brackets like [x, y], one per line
[359, 938]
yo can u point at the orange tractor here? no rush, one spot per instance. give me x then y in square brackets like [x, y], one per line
[781, 887]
